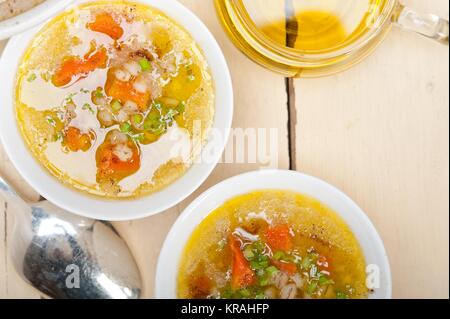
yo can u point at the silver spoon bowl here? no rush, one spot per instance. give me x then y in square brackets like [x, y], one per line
[67, 256]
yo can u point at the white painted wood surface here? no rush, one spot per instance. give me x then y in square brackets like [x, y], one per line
[380, 133]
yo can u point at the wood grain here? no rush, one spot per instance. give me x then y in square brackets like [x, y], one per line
[260, 102]
[380, 133]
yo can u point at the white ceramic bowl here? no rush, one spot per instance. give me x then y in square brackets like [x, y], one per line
[31, 18]
[85, 205]
[362, 228]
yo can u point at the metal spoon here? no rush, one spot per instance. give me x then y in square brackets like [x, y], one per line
[67, 256]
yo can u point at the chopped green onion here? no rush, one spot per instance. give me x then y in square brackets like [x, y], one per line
[170, 114]
[31, 77]
[154, 126]
[137, 119]
[145, 64]
[312, 287]
[157, 105]
[260, 296]
[84, 91]
[57, 136]
[264, 281]
[138, 137]
[255, 265]
[271, 270]
[308, 261]
[278, 255]
[324, 280]
[51, 121]
[191, 77]
[152, 122]
[181, 107]
[244, 293]
[261, 264]
[227, 294]
[248, 253]
[341, 295]
[116, 106]
[259, 246]
[98, 93]
[70, 96]
[87, 106]
[125, 127]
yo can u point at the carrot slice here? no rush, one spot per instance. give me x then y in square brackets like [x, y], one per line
[110, 166]
[76, 141]
[279, 237]
[105, 23]
[124, 91]
[74, 68]
[288, 268]
[241, 274]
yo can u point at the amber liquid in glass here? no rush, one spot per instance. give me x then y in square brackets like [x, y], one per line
[312, 25]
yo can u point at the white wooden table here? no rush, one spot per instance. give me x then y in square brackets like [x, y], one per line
[379, 132]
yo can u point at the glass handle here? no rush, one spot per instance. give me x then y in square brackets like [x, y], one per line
[428, 25]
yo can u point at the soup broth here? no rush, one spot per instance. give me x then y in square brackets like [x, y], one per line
[272, 244]
[111, 96]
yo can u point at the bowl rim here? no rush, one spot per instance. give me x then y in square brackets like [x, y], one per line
[31, 18]
[190, 218]
[122, 209]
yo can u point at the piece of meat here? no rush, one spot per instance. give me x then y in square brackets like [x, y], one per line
[289, 291]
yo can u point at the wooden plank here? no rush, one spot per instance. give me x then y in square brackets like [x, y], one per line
[260, 102]
[380, 133]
